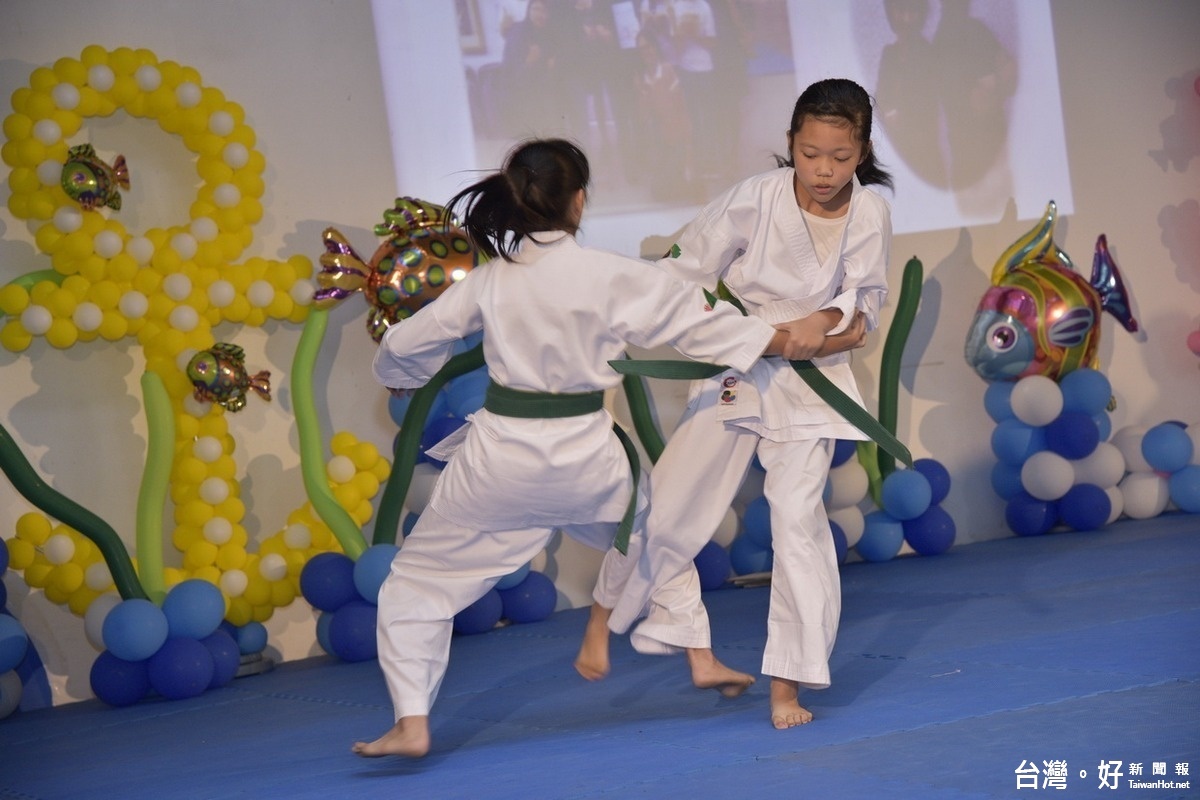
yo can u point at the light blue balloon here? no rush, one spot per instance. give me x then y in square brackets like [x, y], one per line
[1184, 488]
[14, 642]
[1167, 447]
[513, 578]
[193, 608]
[906, 494]
[134, 629]
[1085, 390]
[371, 569]
[1013, 442]
[252, 638]
[756, 522]
[997, 400]
[747, 557]
[882, 537]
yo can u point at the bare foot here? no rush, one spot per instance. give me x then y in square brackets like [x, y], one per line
[592, 662]
[408, 737]
[785, 711]
[709, 673]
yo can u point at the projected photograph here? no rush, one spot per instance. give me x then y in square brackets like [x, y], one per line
[671, 99]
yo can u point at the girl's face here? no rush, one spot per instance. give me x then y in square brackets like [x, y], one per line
[825, 153]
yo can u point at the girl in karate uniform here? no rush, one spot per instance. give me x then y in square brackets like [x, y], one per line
[542, 453]
[806, 240]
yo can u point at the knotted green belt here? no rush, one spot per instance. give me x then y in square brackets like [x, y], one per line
[838, 400]
[545, 405]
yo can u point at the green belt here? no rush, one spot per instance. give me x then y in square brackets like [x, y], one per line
[838, 400]
[545, 405]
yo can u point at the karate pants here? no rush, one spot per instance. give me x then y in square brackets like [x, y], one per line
[441, 569]
[695, 481]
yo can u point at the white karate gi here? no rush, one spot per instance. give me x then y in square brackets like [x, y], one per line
[552, 320]
[754, 238]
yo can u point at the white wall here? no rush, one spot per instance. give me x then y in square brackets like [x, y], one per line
[307, 75]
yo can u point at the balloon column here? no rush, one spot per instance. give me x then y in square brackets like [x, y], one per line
[168, 288]
[1034, 338]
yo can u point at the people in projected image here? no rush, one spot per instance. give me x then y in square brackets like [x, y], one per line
[664, 129]
[944, 101]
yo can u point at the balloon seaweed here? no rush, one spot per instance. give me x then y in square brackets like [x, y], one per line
[26, 481]
[152, 495]
[344, 528]
[408, 442]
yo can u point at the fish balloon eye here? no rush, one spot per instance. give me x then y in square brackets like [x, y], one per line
[1001, 337]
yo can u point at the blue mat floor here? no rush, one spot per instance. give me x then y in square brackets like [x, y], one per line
[950, 674]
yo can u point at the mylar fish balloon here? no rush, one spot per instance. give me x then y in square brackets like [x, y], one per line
[1040, 317]
[91, 182]
[425, 253]
[219, 376]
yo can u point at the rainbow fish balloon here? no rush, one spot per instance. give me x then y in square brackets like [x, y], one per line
[218, 375]
[90, 181]
[1040, 317]
[424, 254]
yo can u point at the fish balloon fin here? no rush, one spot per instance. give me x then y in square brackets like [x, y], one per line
[1106, 280]
[1035, 245]
[260, 382]
[121, 171]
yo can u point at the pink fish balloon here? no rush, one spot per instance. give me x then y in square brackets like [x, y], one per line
[1040, 317]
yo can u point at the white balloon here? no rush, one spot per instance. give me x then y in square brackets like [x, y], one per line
[850, 484]
[1145, 493]
[184, 318]
[235, 155]
[66, 96]
[233, 582]
[341, 469]
[184, 244]
[207, 449]
[221, 293]
[1103, 467]
[93, 618]
[107, 243]
[147, 77]
[101, 78]
[227, 195]
[297, 536]
[1047, 475]
[260, 294]
[49, 172]
[214, 491]
[1036, 400]
[36, 319]
[420, 487]
[302, 292]
[47, 131]
[188, 94]
[87, 316]
[133, 304]
[140, 249]
[218, 530]
[221, 123]
[97, 577]
[1129, 441]
[204, 229]
[68, 219]
[59, 548]
[851, 521]
[273, 567]
[10, 692]
[1117, 500]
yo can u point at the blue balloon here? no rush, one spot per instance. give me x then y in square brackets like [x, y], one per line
[931, 533]
[1085, 390]
[3, 561]
[1006, 480]
[1184, 488]
[3, 590]
[434, 432]
[1028, 516]
[324, 620]
[1013, 442]
[410, 522]
[352, 631]
[193, 608]
[251, 638]
[937, 475]
[1072, 434]
[997, 400]
[1104, 425]
[327, 581]
[1167, 447]
[713, 565]
[840, 544]
[747, 557]
[226, 658]
[14, 642]
[465, 394]
[756, 522]
[531, 600]
[398, 407]
[371, 569]
[118, 682]
[134, 629]
[1085, 507]
[481, 616]
[882, 537]
[513, 578]
[906, 494]
[181, 668]
[843, 451]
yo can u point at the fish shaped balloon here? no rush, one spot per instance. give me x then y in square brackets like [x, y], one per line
[219, 375]
[90, 181]
[425, 252]
[1040, 316]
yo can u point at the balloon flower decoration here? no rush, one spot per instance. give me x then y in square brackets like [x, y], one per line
[165, 290]
[1035, 338]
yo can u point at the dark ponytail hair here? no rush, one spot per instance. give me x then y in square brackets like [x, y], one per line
[532, 192]
[836, 99]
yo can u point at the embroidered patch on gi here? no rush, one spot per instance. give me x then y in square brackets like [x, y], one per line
[729, 392]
